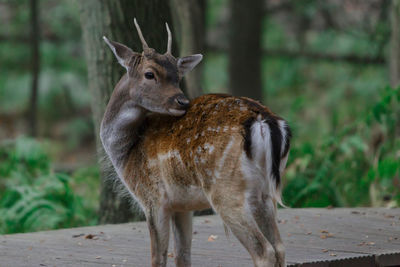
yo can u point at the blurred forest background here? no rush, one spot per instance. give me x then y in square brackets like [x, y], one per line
[330, 67]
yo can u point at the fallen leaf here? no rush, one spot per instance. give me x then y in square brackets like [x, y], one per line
[333, 254]
[324, 231]
[324, 250]
[371, 243]
[212, 238]
[90, 236]
[329, 235]
[322, 236]
[98, 257]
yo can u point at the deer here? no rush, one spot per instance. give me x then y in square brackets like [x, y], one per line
[176, 155]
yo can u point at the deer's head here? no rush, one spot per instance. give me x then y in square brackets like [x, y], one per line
[153, 78]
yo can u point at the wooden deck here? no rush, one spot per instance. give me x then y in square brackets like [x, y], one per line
[313, 237]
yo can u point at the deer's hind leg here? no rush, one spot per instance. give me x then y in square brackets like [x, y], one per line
[230, 203]
[182, 229]
[264, 213]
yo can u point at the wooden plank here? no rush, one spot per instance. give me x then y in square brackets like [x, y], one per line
[363, 231]
[353, 237]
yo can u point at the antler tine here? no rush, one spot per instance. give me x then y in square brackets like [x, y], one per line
[144, 44]
[169, 45]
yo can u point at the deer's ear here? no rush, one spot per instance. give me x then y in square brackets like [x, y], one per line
[186, 64]
[121, 52]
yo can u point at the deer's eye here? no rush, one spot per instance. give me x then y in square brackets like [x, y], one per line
[149, 75]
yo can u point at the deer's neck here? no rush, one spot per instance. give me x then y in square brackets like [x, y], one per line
[119, 127]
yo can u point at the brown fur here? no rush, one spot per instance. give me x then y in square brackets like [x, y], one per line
[211, 119]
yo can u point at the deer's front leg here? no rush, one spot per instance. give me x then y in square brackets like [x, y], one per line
[182, 229]
[158, 223]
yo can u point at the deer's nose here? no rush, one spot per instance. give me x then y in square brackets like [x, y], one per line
[182, 101]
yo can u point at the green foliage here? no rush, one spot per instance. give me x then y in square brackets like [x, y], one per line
[33, 197]
[358, 165]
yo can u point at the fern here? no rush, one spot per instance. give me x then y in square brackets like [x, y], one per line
[32, 196]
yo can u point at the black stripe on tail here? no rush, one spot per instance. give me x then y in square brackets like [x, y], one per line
[287, 140]
[276, 141]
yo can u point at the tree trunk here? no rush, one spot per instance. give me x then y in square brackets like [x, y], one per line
[394, 55]
[189, 24]
[245, 48]
[394, 58]
[35, 67]
[114, 19]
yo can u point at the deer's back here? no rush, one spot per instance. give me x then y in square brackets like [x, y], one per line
[190, 151]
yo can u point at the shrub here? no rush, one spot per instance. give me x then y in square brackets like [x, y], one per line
[357, 165]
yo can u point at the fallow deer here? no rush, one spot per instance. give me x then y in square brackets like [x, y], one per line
[175, 155]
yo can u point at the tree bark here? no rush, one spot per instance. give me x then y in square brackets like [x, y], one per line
[189, 23]
[245, 48]
[35, 67]
[394, 58]
[114, 19]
